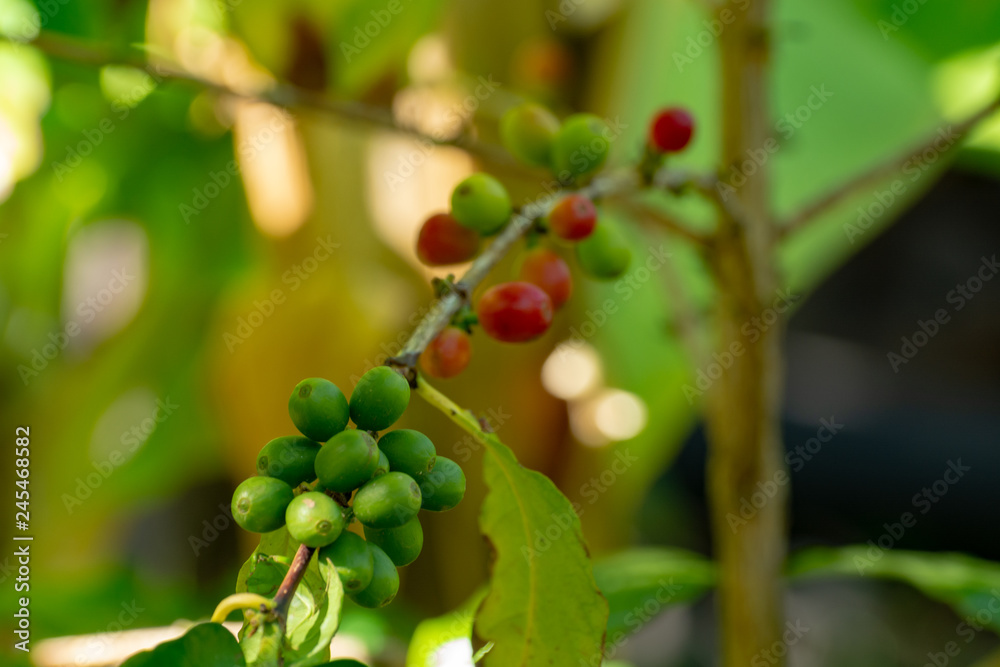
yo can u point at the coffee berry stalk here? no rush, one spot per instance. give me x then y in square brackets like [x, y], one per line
[523, 310]
[316, 485]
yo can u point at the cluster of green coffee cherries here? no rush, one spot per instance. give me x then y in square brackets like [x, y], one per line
[316, 490]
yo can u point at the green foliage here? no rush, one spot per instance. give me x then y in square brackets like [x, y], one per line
[313, 615]
[543, 606]
[433, 633]
[964, 583]
[205, 645]
[640, 583]
[935, 29]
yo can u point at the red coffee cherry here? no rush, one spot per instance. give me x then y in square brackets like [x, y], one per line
[515, 312]
[448, 354]
[671, 130]
[573, 218]
[542, 267]
[443, 241]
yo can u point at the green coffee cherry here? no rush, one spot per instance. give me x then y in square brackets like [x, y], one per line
[259, 504]
[443, 487]
[384, 585]
[315, 519]
[379, 399]
[388, 501]
[402, 544]
[353, 559]
[290, 458]
[604, 253]
[481, 202]
[347, 461]
[408, 451]
[383, 464]
[318, 409]
[581, 146]
[528, 131]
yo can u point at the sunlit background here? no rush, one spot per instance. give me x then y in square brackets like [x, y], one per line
[176, 255]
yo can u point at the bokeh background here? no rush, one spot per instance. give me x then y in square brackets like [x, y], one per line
[209, 250]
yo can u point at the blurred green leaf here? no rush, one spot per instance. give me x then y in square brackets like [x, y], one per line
[640, 583]
[373, 37]
[543, 607]
[433, 633]
[969, 585]
[205, 645]
[936, 29]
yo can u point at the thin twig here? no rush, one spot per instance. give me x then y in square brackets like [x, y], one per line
[882, 171]
[282, 95]
[463, 418]
[449, 304]
[663, 220]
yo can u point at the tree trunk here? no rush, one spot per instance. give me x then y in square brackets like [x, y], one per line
[743, 405]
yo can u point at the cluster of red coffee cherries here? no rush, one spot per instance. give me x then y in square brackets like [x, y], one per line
[522, 310]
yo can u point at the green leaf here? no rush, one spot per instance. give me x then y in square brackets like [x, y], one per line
[274, 547]
[260, 640]
[935, 29]
[371, 38]
[640, 583]
[543, 607]
[205, 645]
[965, 583]
[313, 615]
[344, 662]
[433, 633]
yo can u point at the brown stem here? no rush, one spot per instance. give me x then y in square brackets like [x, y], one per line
[297, 570]
[642, 210]
[444, 309]
[283, 95]
[742, 408]
[883, 171]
